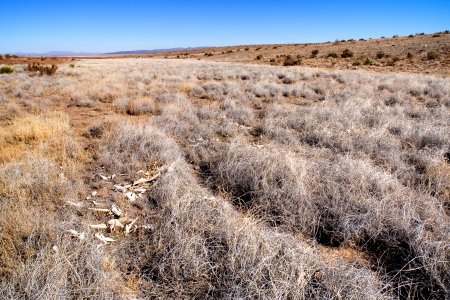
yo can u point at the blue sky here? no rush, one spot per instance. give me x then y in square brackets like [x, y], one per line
[102, 26]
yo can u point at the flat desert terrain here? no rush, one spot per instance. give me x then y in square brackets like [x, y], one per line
[133, 178]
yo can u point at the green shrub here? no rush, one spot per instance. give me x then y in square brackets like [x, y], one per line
[411, 35]
[347, 53]
[6, 70]
[368, 62]
[258, 57]
[432, 55]
[395, 59]
[290, 61]
[446, 32]
[380, 54]
[73, 65]
[247, 48]
[409, 55]
[7, 55]
[332, 55]
[314, 53]
[1, 57]
[356, 63]
[47, 70]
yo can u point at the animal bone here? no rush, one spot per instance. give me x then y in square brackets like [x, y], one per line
[129, 226]
[98, 226]
[105, 210]
[131, 196]
[106, 178]
[113, 223]
[116, 210]
[76, 234]
[103, 238]
[120, 188]
[76, 204]
[141, 180]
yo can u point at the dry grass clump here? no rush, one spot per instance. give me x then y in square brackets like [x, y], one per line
[136, 107]
[38, 258]
[44, 133]
[200, 246]
[86, 103]
[130, 148]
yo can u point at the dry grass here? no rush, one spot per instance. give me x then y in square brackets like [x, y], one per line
[274, 182]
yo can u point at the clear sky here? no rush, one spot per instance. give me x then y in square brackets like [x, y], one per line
[112, 25]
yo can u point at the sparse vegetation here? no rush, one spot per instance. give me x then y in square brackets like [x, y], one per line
[380, 54]
[314, 53]
[432, 55]
[368, 61]
[347, 53]
[332, 55]
[291, 61]
[6, 70]
[42, 69]
[243, 180]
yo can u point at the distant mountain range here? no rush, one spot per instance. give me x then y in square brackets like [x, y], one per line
[151, 51]
[57, 53]
[130, 52]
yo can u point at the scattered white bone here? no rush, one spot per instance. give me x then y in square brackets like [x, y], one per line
[141, 180]
[131, 196]
[76, 204]
[55, 248]
[103, 238]
[98, 226]
[96, 203]
[147, 227]
[88, 197]
[120, 188]
[114, 223]
[76, 234]
[106, 178]
[129, 226]
[140, 190]
[94, 193]
[116, 210]
[104, 210]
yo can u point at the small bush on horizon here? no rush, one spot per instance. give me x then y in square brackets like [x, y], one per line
[332, 55]
[347, 53]
[432, 55]
[314, 53]
[380, 54]
[290, 61]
